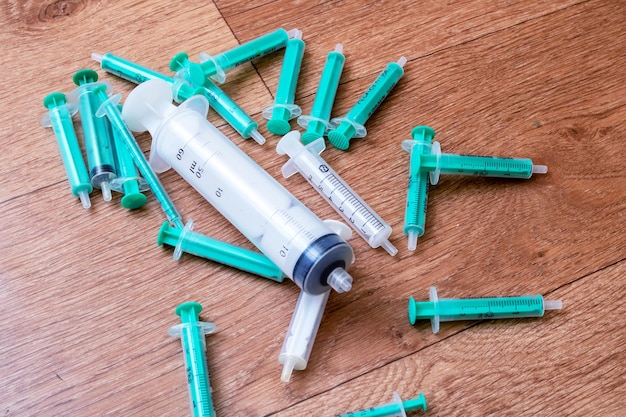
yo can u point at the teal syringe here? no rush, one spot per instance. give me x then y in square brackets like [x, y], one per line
[417, 192]
[437, 163]
[188, 241]
[284, 109]
[428, 163]
[351, 125]
[185, 88]
[453, 309]
[96, 132]
[192, 333]
[109, 108]
[59, 117]
[397, 408]
[318, 122]
[218, 65]
[128, 181]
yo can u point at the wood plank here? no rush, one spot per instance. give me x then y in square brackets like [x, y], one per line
[540, 366]
[62, 42]
[87, 296]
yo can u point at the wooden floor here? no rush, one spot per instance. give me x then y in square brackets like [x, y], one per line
[86, 296]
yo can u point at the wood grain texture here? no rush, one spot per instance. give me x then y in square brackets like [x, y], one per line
[86, 296]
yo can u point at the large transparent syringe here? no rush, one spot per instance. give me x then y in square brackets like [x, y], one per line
[307, 161]
[297, 241]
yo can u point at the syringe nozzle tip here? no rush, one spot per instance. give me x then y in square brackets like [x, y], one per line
[258, 137]
[402, 61]
[540, 169]
[285, 376]
[412, 234]
[340, 280]
[388, 246]
[339, 48]
[84, 199]
[96, 57]
[106, 191]
[553, 305]
[294, 34]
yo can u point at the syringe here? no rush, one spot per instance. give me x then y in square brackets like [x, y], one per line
[287, 232]
[109, 108]
[427, 161]
[96, 132]
[302, 331]
[284, 109]
[188, 241]
[218, 65]
[307, 161]
[436, 163]
[192, 333]
[397, 408]
[351, 125]
[318, 122]
[305, 322]
[128, 181]
[454, 309]
[59, 117]
[185, 88]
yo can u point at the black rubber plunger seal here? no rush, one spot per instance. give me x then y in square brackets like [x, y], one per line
[318, 260]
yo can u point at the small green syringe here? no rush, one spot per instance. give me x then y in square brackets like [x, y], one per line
[216, 66]
[59, 117]
[284, 109]
[109, 109]
[428, 163]
[397, 408]
[352, 124]
[192, 333]
[454, 309]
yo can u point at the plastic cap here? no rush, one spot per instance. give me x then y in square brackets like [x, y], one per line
[339, 280]
[401, 61]
[540, 169]
[339, 48]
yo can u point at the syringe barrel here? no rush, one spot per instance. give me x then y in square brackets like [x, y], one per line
[486, 166]
[288, 80]
[450, 309]
[256, 48]
[287, 232]
[229, 110]
[97, 137]
[129, 70]
[376, 93]
[59, 118]
[327, 87]
[109, 108]
[206, 247]
[192, 333]
[417, 193]
[219, 100]
[327, 182]
[302, 331]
